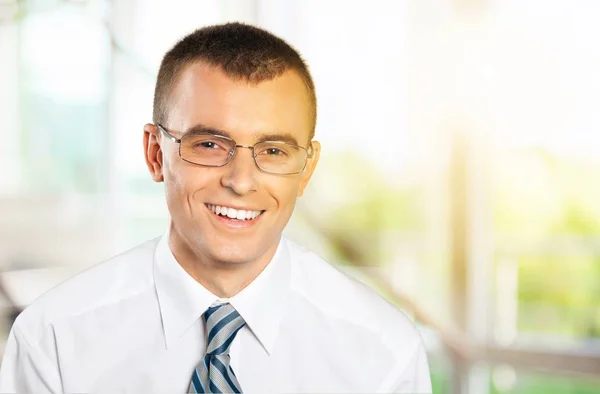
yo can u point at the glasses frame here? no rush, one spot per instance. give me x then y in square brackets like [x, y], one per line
[232, 152]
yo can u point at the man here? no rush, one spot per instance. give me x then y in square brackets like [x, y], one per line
[222, 302]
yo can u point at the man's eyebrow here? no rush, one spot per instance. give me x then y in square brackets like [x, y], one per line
[203, 129]
[283, 137]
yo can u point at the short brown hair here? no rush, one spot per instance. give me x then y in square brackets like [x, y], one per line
[241, 51]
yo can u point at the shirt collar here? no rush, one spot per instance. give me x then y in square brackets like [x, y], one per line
[182, 300]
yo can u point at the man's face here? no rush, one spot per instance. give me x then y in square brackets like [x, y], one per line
[205, 96]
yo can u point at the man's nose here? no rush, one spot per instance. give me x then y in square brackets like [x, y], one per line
[240, 172]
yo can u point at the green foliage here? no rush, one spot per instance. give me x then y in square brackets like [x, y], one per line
[362, 206]
[539, 199]
[360, 197]
[537, 195]
[547, 384]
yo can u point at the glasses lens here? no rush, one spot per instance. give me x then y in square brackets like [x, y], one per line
[206, 149]
[280, 158]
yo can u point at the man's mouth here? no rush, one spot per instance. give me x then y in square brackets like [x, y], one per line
[232, 213]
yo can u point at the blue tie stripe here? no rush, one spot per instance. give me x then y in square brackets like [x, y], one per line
[223, 370]
[203, 372]
[213, 388]
[197, 384]
[215, 330]
[227, 342]
[216, 316]
[222, 336]
[206, 361]
[211, 310]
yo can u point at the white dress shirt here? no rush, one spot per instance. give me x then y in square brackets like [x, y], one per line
[133, 324]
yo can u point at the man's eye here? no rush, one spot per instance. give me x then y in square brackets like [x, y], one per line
[206, 145]
[209, 144]
[274, 151]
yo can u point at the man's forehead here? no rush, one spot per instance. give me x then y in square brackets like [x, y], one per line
[204, 95]
[200, 71]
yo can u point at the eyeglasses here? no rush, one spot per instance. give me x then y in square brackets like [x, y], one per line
[209, 150]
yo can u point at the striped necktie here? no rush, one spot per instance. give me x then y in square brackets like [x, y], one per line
[214, 374]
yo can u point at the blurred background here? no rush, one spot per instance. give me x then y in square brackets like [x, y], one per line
[460, 172]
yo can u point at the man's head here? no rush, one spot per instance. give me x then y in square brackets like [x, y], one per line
[244, 84]
[243, 52]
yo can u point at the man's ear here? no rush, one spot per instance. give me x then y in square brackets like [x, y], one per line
[153, 152]
[311, 164]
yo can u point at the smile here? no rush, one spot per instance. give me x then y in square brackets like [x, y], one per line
[232, 213]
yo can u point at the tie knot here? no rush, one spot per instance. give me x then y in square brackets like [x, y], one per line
[222, 324]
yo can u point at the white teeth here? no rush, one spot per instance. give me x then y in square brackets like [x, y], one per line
[233, 213]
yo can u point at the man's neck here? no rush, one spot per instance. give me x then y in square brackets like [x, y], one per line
[223, 279]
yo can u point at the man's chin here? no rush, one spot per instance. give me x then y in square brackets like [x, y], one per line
[233, 259]
[240, 253]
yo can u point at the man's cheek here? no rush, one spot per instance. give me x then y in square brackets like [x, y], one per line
[179, 180]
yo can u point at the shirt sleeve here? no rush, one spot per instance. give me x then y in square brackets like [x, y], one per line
[410, 377]
[26, 368]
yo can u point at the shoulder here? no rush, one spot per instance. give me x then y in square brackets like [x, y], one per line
[119, 277]
[341, 297]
